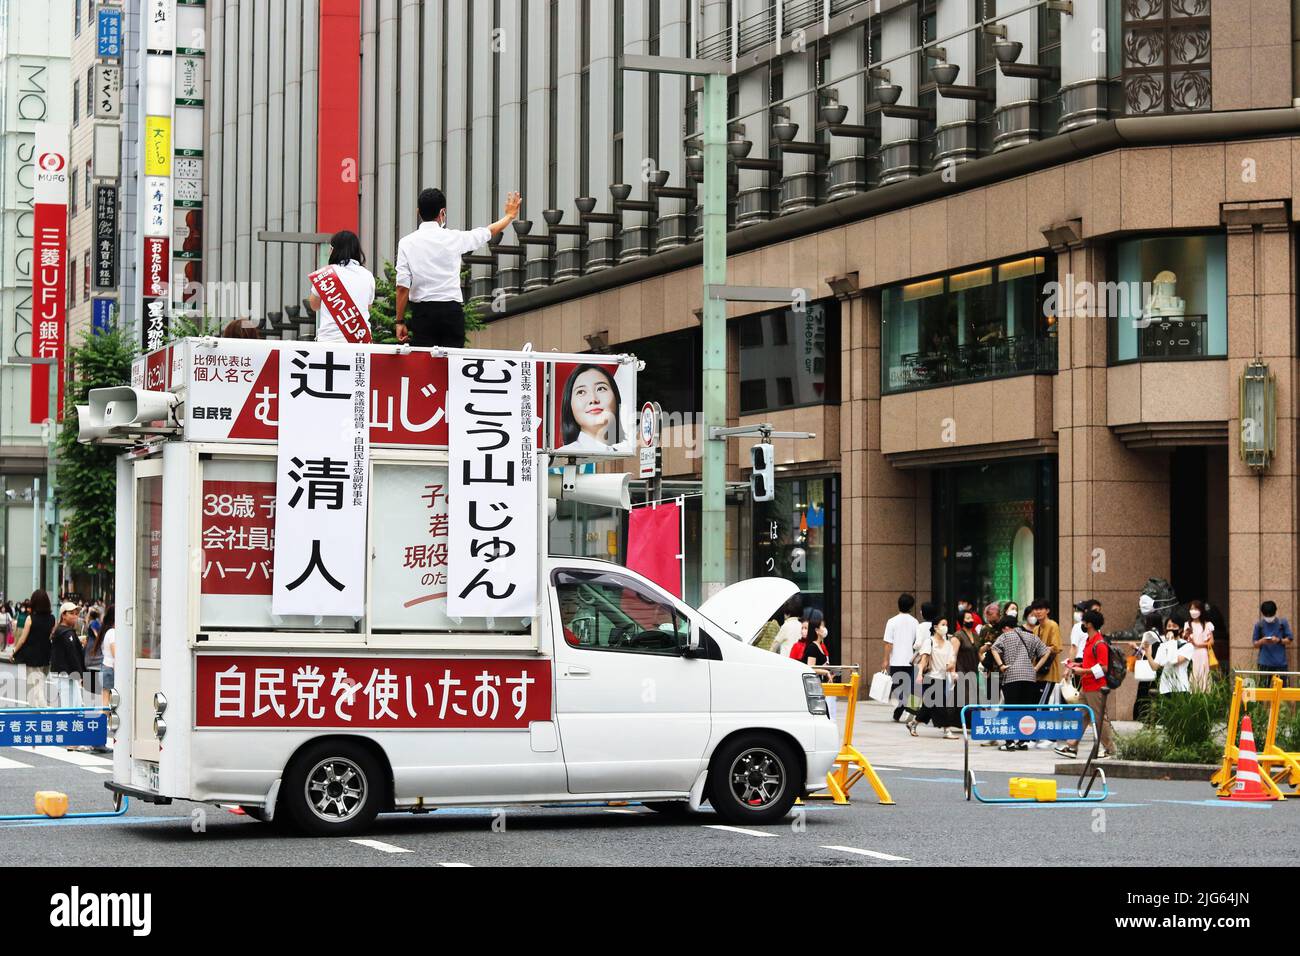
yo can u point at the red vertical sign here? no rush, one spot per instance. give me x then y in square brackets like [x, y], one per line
[338, 117]
[49, 263]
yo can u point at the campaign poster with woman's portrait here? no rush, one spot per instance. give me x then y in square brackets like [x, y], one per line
[593, 411]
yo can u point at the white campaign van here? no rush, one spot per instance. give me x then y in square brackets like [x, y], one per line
[393, 685]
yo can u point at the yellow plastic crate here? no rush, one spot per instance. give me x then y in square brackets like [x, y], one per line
[1032, 788]
[51, 803]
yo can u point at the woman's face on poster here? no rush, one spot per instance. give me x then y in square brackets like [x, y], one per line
[593, 404]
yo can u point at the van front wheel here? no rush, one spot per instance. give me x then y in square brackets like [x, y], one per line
[753, 779]
[333, 788]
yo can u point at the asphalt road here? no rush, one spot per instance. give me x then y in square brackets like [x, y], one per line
[1142, 823]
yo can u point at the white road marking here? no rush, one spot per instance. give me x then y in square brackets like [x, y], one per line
[7, 764]
[870, 853]
[469, 865]
[720, 826]
[622, 810]
[377, 845]
[69, 756]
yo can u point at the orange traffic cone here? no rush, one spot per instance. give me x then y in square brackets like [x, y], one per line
[1248, 785]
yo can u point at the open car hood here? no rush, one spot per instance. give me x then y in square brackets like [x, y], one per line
[744, 607]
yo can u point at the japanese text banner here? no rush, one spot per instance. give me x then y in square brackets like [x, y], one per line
[492, 488]
[370, 693]
[322, 484]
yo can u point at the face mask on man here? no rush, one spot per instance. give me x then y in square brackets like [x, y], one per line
[1078, 616]
[1271, 619]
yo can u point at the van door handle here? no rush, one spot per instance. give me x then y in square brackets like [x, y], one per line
[572, 671]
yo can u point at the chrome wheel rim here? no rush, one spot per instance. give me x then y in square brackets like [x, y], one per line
[757, 778]
[336, 789]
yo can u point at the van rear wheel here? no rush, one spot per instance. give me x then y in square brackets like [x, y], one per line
[754, 779]
[333, 788]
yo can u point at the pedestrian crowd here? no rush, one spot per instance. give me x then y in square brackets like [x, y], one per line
[937, 664]
[69, 653]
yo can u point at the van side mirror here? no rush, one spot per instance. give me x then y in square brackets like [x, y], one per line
[694, 641]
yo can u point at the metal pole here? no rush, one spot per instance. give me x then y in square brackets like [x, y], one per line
[53, 538]
[38, 519]
[713, 526]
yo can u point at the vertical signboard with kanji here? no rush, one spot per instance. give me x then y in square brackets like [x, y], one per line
[108, 22]
[322, 482]
[105, 237]
[493, 488]
[49, 262]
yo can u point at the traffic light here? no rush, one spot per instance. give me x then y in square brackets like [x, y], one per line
[762, 477]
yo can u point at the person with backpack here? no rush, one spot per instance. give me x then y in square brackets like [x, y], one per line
[1102, 670]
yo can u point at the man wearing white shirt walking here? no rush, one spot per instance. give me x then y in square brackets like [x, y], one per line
[900, 641]
[428, 272]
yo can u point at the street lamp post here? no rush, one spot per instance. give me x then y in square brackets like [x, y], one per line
[53, 556]
[713, 126]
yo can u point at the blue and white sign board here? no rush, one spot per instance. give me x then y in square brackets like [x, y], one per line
[59, 728]
[109, 29]
[105, 310]
[1005, 723]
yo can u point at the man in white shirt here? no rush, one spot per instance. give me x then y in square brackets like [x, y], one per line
[900, 639]
[428, 272]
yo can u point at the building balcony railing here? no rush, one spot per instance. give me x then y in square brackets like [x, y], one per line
[977, 362]
[760, 28]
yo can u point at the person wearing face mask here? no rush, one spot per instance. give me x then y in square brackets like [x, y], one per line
[1271, 637]
[964, 605]
[1019, 656]
[937, 666]
[1048, 631]
[1200, 633]
[428, 272]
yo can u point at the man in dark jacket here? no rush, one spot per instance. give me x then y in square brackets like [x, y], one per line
[67, 658]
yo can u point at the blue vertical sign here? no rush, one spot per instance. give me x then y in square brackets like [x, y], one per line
[105, 311]
[109, 23]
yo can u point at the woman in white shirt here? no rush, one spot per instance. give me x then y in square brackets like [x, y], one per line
[342, 293]
[109, 647]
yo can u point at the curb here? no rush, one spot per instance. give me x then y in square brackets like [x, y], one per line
[1143, 770]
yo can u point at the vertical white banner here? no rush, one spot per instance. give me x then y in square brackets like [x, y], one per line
[492, 488]
[321, 485]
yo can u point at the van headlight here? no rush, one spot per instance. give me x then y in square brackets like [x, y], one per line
[114, 722]
[160, 702]
[812, 690]
[160, 727]
[114, 699]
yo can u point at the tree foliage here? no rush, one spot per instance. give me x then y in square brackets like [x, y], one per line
[86, 485]
[384, 308]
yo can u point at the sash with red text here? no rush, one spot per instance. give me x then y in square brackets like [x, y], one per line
[335, 298]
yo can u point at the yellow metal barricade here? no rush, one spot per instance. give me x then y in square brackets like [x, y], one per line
[850, 766]
[1277, 766]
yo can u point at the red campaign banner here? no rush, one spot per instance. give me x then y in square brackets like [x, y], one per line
[654, 545]
[157, 267]
[238, 537]
[369, 693]
[49, 277]
[407, 396]
[156, 367]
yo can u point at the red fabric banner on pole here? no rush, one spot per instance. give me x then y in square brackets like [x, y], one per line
[654, 545]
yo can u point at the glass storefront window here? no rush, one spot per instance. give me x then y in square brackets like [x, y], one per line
[969, 326]
[796, 538]
[148, 567]
[1169, 300]
[994, 533]
[790, 358]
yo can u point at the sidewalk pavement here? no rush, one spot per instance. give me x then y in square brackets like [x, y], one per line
[888, 744]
